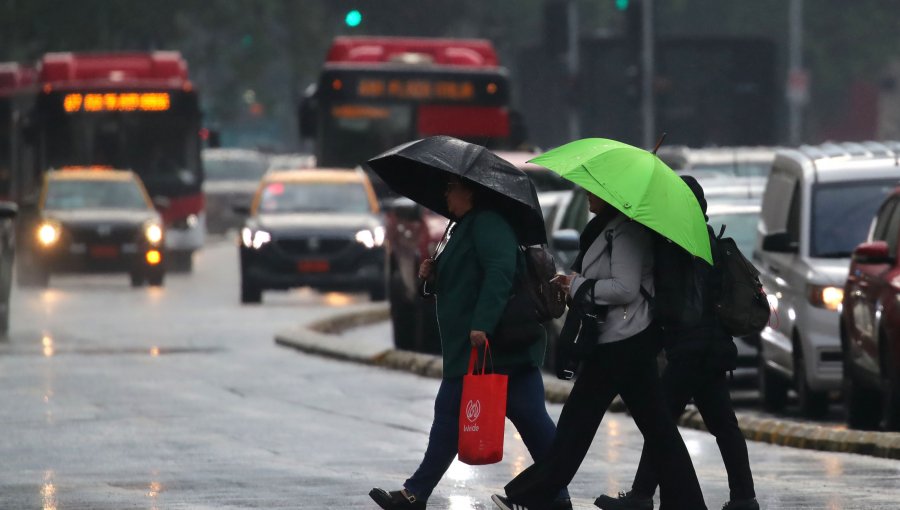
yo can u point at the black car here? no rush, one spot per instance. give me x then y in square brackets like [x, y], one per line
[313, 228]
[92, 220]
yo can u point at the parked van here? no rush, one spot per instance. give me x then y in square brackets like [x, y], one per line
[817, 207]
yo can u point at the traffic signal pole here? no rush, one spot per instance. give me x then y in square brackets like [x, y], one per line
[572, 64]
[648, 64]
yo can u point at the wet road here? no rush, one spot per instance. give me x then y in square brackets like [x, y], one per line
[115, 398]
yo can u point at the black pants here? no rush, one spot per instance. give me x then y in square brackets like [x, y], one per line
[686, 377]
[627, 368]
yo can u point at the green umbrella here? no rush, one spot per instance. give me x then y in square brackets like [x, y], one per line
[637, 183]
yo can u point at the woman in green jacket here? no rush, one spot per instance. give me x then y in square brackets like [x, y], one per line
[472, 280]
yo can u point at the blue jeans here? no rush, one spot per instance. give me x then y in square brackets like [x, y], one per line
[524, 407]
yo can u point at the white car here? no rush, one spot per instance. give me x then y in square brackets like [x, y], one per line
[817, 207]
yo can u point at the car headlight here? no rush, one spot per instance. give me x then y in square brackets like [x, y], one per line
[826, 296]
[153, 232]
[256, 239]
[48, 233]
[371, 238]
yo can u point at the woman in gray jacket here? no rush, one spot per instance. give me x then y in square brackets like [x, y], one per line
[616, 259]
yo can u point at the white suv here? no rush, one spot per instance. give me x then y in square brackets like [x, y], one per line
[818, 205]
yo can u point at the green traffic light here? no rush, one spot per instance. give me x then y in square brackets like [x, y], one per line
[622, 4]
[353, 18]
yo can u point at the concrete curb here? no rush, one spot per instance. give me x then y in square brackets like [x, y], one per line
[320, 339]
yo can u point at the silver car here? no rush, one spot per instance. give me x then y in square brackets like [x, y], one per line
[232, 176]
[818, 205]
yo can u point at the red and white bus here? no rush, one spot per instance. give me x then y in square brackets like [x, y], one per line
[378, 92]
[137, 111]
[13, 78]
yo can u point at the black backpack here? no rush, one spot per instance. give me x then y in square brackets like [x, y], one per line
[534, 301]
[740, 302]
[682, 286]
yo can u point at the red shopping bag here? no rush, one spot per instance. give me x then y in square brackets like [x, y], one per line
[482, 414]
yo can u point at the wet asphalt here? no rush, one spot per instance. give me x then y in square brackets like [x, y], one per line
[120, 398]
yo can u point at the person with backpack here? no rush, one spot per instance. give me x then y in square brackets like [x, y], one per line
[473, 279]
[699, 352]
[619, 349]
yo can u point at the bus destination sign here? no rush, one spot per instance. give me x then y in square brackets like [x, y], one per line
[117, 102]
[419, 89]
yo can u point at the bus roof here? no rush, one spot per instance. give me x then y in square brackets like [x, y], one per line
[156, 68]
[442, 52]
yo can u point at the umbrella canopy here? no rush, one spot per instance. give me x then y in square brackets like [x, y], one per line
[637, 183]
[420, 171]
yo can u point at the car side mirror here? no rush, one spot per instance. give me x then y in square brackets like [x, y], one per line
[241, 209]
[403, 208]
[8, 210]
[780, 242]
[567, 240]
[876, 252]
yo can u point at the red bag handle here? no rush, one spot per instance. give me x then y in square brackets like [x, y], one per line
[473, 358]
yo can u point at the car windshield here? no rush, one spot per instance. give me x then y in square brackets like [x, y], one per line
[234, 169]
[65, 194]
[842, 213]
[286, 198]
[739, 226]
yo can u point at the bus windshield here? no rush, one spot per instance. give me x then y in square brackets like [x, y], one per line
[356, 132]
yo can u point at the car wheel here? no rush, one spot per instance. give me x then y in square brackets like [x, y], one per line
[772, 387]
[401, 314]
[250, 293]
[137, 279]
[890, 390]
[156, 278]
[378, 293]
[860, 403]
[813, 404]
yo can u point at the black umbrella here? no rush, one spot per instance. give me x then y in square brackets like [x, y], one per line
[420, 171]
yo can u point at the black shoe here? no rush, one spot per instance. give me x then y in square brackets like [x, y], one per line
[396, 500]
[625, 501]
[562, 504]
[505, 504]
[741, 504]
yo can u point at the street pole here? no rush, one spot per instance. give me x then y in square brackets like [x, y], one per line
[648, 101]
[796, 92]
[572, 65]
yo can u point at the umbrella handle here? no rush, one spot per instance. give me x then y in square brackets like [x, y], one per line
[441, 244]
[659, 142]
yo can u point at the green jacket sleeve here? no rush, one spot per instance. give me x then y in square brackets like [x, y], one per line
[496, 248]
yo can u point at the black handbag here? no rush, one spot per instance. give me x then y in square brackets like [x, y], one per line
[581, 330]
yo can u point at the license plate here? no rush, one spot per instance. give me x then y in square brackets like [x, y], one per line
[104, 251]
[313, 266]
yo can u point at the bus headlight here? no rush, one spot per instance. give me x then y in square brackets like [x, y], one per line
[371, 238]
[255, 240]
[48, 233]
[153, 233]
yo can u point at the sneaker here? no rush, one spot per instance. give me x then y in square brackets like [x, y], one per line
[741, 504]
[396, 500]
[505, 504]
[625, 501]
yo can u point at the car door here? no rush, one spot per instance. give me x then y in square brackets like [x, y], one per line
[866, 287]
[781, 275]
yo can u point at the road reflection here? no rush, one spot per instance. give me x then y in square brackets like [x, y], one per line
[48, 492]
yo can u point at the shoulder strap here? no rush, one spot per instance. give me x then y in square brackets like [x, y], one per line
[721, 232]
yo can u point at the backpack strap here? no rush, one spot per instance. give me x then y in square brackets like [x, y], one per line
[721, 232]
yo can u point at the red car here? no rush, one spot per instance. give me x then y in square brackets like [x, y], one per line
[870, 325]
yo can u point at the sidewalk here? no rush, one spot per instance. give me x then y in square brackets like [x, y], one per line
[324, 338]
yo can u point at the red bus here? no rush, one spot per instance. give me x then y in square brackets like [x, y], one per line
[378, 92]
[13, 77]
[136, 111]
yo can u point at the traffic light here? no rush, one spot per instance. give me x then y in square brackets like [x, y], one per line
[353, 18]
[622, 5]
